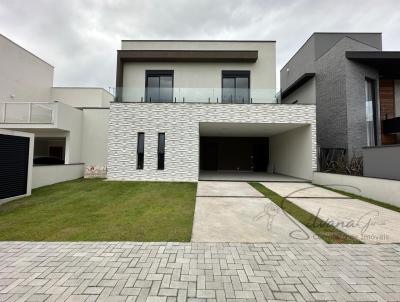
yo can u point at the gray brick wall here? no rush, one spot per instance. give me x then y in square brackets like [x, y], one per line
[180, 122]
[341, 97]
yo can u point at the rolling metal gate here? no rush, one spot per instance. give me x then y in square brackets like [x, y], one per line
[14, 159]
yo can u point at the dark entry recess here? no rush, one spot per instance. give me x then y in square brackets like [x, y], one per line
[234, 153]
[14, 160]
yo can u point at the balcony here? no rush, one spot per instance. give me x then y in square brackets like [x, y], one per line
[196, 95]
[27, 113]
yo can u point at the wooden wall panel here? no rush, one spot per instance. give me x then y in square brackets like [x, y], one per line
[386, 97]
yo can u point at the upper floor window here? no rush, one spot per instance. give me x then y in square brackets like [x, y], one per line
[235, 86]
[370, 106]
[159, 86]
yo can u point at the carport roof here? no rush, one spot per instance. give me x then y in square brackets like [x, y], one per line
[246, 129]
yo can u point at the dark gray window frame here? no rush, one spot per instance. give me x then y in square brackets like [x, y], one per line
[139, 152]
[159, 73]
[235, 74]
[161, 152]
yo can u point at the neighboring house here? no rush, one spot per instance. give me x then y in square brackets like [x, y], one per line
[356, 88]
[69, 123]
[185, 109]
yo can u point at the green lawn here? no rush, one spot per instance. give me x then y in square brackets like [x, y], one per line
[92, 210]
[324, 230]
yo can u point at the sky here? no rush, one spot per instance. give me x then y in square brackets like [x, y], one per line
[80, 37]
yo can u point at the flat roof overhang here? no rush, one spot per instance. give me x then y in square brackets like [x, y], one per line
[123, 56]
[296, 84]
[386, 62]
[223, 129]
[188, 55]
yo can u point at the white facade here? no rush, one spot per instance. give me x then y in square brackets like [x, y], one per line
[195, 111]
[295, 124]
[82, 96]
[202, 79]
[23, 76]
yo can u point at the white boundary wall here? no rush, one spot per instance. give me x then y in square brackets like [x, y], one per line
[48, 175]
[384, 190]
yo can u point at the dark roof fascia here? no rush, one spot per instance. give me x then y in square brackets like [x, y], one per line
[372, 55]
[188, 55]
[296, 84]
[191, 41]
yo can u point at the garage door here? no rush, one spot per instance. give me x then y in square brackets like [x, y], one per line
[14, 159]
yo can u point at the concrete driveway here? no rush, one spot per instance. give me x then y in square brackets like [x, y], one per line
[236, 212]
[365, 221]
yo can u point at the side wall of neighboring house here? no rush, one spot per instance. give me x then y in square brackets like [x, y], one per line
[341, 94]
[82, 96]
[95, 137]
[302, 62]
[23, 76]
[305, 94]
[180, 123]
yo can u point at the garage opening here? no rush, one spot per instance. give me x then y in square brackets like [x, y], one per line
[255, 152]
[244, 154]
[49, 151]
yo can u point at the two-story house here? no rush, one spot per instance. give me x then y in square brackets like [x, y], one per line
[190, 110]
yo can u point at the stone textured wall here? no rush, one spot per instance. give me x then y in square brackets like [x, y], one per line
[180, 123]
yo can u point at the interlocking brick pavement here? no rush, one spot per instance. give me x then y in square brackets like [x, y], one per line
[128, 271]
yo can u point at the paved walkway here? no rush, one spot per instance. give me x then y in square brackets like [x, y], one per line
[236, 212]
[245, 176]
[198, 272]
[367, 222]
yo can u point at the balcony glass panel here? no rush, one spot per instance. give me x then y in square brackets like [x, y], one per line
[17, 113]
[236, 95]
[42, 113]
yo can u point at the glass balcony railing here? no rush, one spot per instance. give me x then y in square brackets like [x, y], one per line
[27, 112]
[196, 95]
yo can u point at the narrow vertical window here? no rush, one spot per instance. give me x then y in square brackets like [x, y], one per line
[161, 151]
[140, 151]
[370, 107]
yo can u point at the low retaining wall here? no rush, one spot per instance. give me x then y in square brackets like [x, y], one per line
[384, 190]
[48, 175]
[382, 161]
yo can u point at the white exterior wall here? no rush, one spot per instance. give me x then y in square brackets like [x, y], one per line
[95, 137]
[22, 74]
[291, 153]
[70, 120]
[305, 94]
[202, 74]
[180, 122]
[81, 96]
[384, 190]
[48, 175]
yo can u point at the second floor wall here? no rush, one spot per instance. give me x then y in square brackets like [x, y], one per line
[201, 79]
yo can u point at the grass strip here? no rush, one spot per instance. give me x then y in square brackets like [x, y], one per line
[325, 231]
